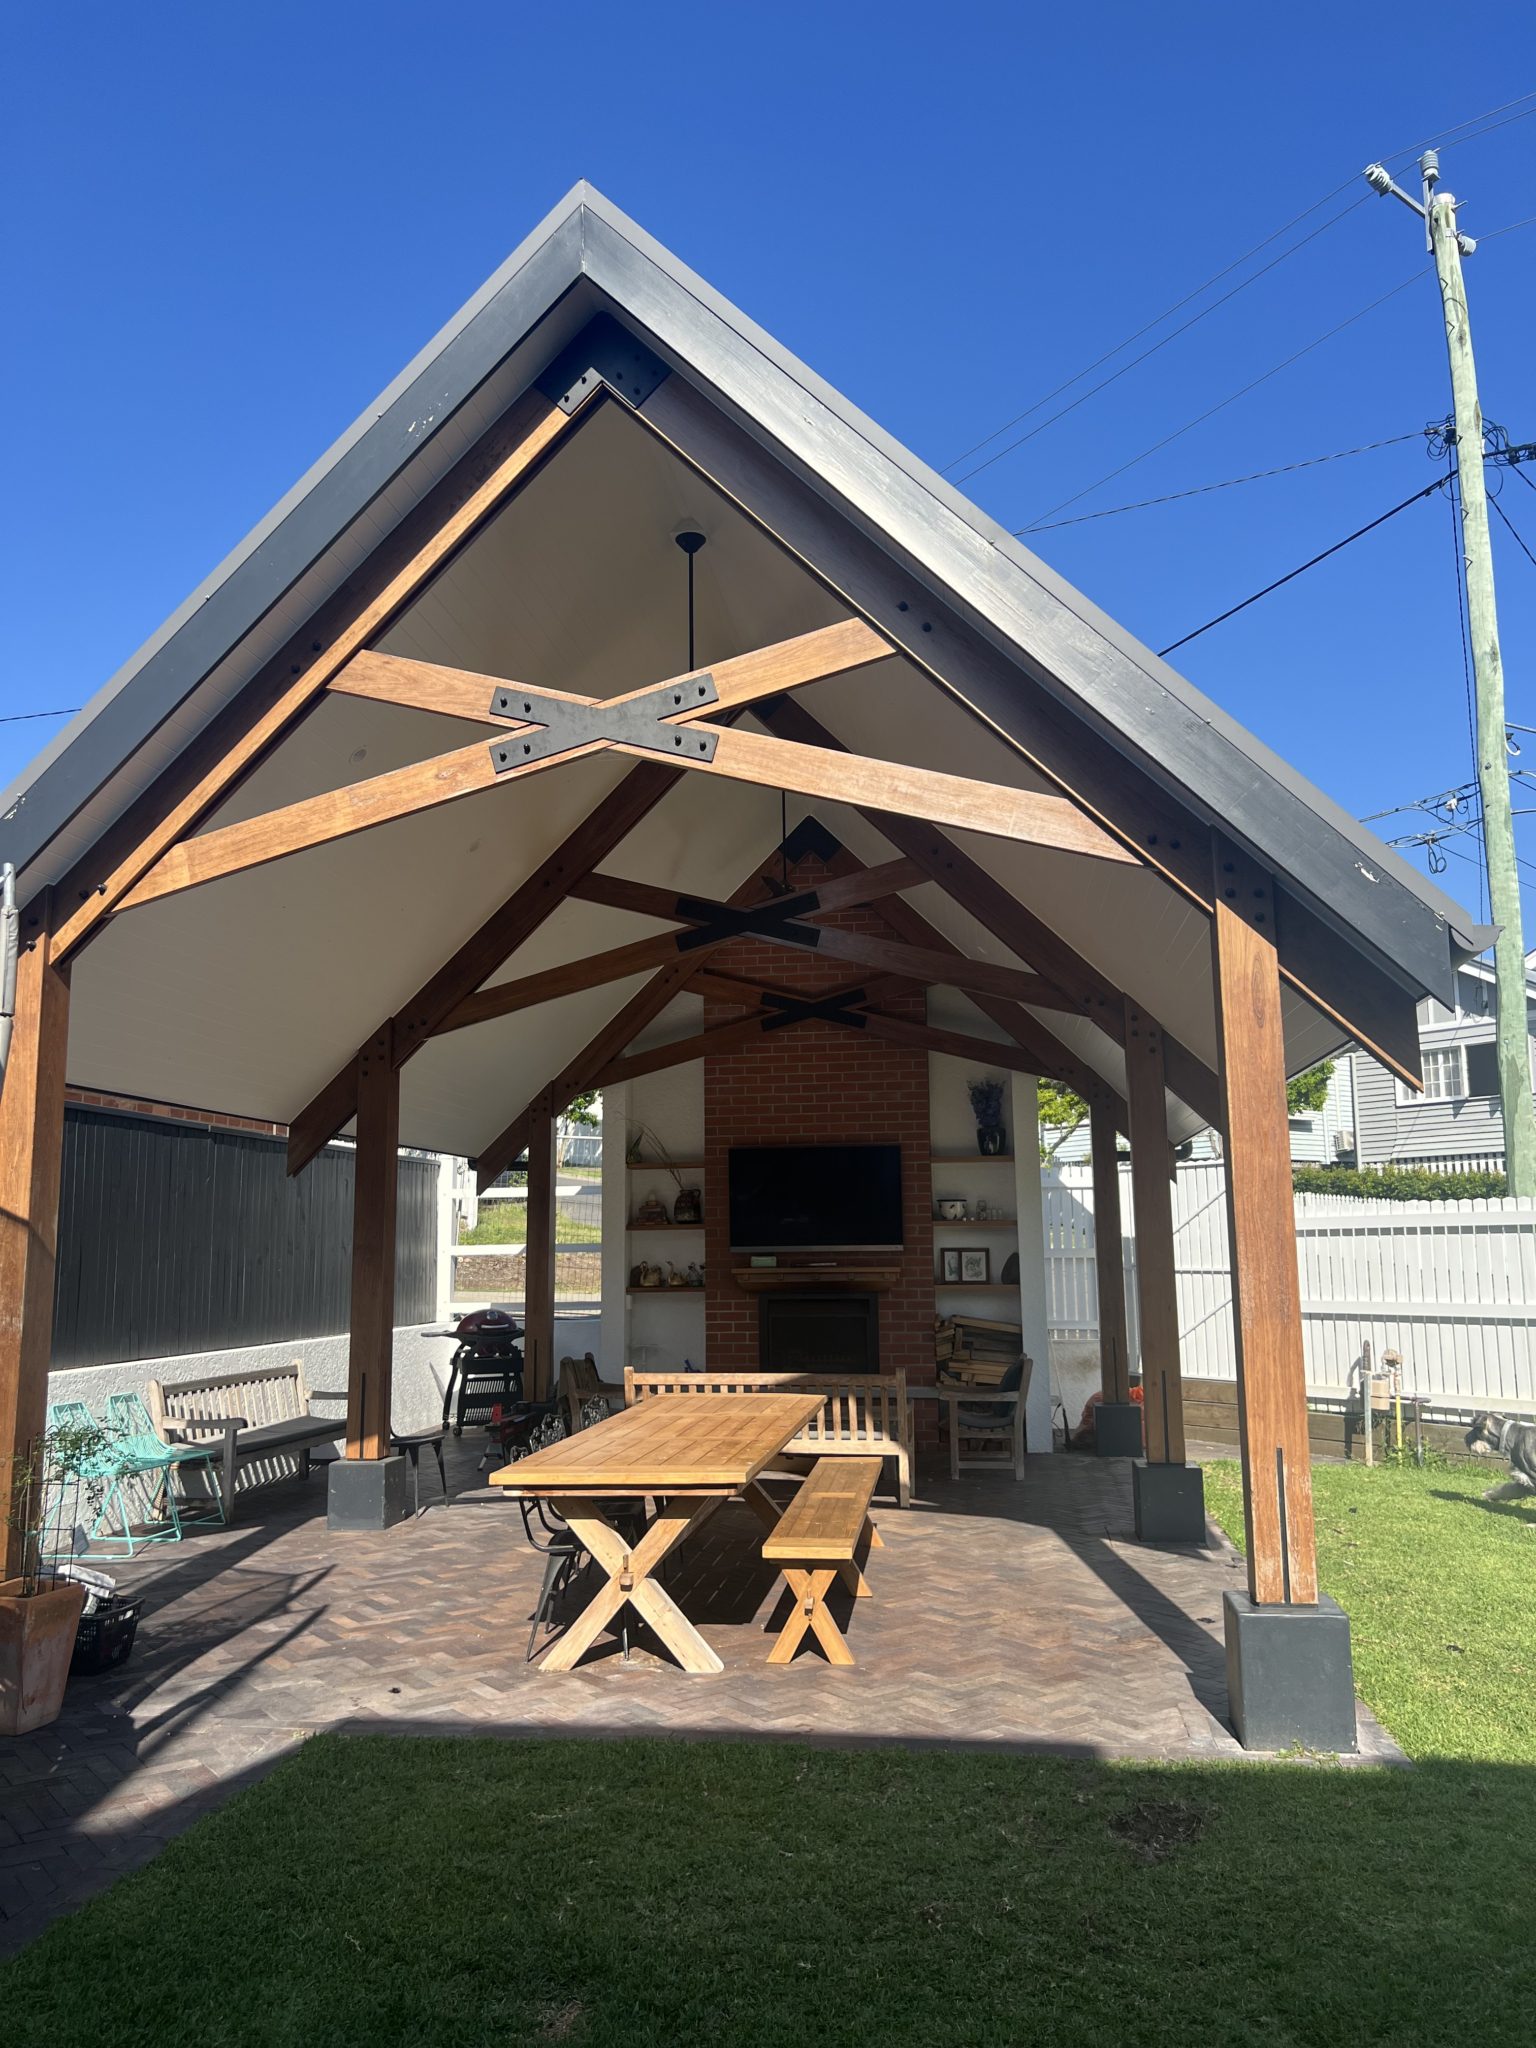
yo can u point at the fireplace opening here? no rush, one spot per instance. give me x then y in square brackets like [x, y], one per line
[819, 1332]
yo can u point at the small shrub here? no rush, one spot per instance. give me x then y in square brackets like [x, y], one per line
[1397, 1183]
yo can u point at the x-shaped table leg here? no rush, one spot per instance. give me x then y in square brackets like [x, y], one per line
[810, 1588]
[629, 1578]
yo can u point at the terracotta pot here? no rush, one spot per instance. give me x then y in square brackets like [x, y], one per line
[37, 1639]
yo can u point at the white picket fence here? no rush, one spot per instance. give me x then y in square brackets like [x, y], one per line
[1449, 1286]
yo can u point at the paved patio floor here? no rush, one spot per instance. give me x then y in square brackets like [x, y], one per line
[1023, 1617]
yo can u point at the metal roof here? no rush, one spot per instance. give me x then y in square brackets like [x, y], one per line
[588, 255]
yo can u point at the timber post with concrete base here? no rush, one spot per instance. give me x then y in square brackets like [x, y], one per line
[366, 1488]
[1169, 1493]
[1289, 1675]
[1117, 1418]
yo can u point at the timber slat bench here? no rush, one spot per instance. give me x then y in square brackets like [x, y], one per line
[817, 1541]
[863, 1415]
[260, 1417]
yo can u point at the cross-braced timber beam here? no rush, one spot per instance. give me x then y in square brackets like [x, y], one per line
[659, 721]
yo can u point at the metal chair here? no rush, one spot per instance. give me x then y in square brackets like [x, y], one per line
[143, 1444]
[110, 1476]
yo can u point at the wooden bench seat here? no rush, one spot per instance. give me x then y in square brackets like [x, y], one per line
[258, 1424]
[862, 1415]
[815, 1541]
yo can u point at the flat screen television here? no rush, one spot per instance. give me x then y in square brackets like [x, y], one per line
[815, 1198]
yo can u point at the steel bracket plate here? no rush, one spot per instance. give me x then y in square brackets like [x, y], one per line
[604, 357]
[778, 921]
[631, 722]
[837, 1009]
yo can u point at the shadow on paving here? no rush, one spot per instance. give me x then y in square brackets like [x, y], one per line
[493, 1888]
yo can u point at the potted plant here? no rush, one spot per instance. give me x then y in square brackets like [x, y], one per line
[39, 1611]
[987, 1107]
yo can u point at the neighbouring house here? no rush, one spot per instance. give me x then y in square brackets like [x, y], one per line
[616, 707]
[1456, 1121]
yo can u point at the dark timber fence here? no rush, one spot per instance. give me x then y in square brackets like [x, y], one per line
[177, 1237]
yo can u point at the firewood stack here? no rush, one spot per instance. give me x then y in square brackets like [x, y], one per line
[975, 1350]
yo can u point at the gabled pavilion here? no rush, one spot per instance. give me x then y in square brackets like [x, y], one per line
[423, 814]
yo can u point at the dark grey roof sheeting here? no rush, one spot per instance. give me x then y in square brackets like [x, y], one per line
[1156, 717]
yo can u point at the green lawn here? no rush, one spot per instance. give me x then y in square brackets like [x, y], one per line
[378, 1890]
[1440, 1589]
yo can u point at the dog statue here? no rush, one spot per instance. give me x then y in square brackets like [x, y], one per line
[1495, 1436]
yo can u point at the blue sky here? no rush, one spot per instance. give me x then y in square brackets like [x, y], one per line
[230, 228]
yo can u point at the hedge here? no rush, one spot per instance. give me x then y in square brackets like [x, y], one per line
[1397, 1183]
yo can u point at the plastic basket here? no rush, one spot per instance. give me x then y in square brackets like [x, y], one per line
[104, 1640]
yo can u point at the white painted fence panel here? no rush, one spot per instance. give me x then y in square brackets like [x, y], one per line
[1450, 1286]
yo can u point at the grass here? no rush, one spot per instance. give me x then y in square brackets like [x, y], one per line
[497, 1219]
[377, 1889]
[1440, 1589]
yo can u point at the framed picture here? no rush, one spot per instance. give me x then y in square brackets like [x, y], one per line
[949, 1266]
[975, 1267]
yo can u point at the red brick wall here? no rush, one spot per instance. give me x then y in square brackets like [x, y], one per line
[819, 1084]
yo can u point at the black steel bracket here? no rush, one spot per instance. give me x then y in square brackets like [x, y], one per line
[833, 1009]
[635, 721]
[778, 921]
[603, 357]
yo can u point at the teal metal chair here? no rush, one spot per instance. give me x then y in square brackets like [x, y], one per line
[141, 1442]
[129, 1482]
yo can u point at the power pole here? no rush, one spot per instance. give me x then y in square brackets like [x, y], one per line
[1448, 246]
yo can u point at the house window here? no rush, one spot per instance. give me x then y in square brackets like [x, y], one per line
[1445, 1073]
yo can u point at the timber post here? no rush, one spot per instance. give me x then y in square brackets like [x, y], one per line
[31, 1163]
[1117, 1420]
[1168, 1493]
[367, 1486]
[539, 1252]
[1289, 1675]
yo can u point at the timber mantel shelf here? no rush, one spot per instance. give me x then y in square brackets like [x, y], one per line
[864, 1279]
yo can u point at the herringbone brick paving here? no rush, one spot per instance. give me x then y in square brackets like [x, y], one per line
[1019, 1616]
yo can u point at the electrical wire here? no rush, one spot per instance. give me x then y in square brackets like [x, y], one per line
[1226, 271]
[1291, 575]
[1199, 490]
[1220, 406]
[17, 717]
[1493, 501]
[1493, 234]
[1115, 375]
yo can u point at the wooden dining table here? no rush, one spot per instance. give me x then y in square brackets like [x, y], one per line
[688, 1454]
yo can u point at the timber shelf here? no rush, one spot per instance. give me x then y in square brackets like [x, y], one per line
[665, 1226]
[984, 1223]
[971, 1158]
[668, 1293]
[866, 1279]
[664, 1166]
[976, 1286]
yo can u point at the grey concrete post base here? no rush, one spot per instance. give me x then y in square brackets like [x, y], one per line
[1290, 1680]
[1117, 1429]
[365, 1493]
[1170, 1503]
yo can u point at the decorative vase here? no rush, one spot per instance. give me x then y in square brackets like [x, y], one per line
[689, 1206]
[991, 1139]
[37, 1640]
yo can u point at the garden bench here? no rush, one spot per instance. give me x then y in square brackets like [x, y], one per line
[816, 1541]
[863, 1415]
[254, 1419]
